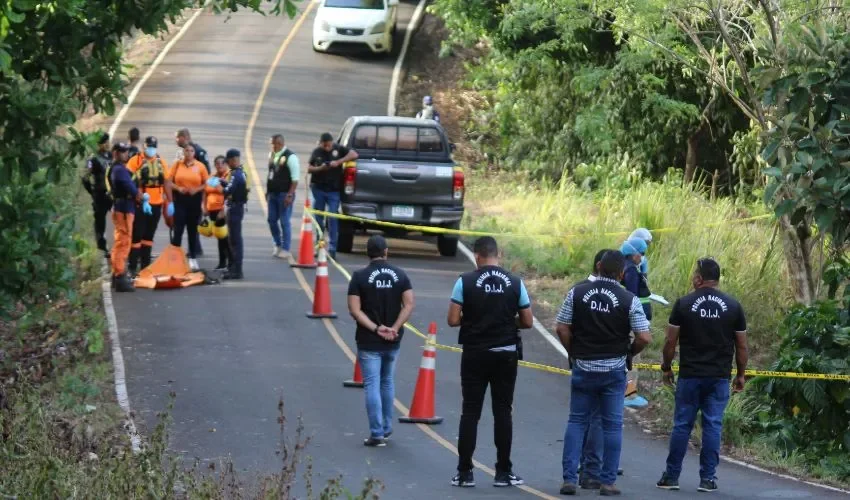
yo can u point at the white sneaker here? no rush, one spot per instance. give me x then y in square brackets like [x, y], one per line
[276, 252]
[283, 254]
[193, 265]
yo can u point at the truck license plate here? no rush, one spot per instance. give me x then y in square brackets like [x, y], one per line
[403, 211]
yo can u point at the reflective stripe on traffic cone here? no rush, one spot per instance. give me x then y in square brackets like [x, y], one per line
[357, 381]
[422, 407]
[305, 250]
[322, 288]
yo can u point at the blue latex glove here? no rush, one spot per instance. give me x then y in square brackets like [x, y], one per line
[213, 182]
[146, 204]
[170, 210]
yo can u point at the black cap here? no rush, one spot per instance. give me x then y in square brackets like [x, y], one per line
[103, 139]
[120, 147]
[376, 246]
[232, 153]
[150, 141]
[326, 137]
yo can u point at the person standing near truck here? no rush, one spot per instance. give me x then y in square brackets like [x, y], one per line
[325, 169]
[282, 182]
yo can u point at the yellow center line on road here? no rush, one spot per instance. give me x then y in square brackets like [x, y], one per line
[299, 275]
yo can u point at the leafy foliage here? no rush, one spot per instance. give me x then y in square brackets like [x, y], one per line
[57, 59]
[812, 416]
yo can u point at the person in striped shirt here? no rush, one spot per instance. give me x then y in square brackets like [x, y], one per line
[594, 325]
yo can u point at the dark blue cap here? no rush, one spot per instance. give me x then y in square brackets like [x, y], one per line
[232, 153]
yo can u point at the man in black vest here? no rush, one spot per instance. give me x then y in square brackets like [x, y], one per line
[594, 326]
[281, 184]
[490, 305]
[94, 180]
[709, 327]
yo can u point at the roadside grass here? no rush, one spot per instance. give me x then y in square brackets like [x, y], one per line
[559, 227]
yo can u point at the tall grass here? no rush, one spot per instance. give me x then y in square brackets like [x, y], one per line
[579, 223]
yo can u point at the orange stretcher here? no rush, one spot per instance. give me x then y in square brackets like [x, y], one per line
[169, 270]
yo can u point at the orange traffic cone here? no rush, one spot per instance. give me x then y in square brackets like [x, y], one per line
[357, 381]
[322, 289]
[305, 250]
[422, 407]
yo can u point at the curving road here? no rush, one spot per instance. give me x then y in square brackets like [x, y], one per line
[230, 351]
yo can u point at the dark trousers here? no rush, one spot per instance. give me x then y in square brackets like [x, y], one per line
[235, 214]
[478, 369]
[144, 229]
[100, 207]
[223, 244]
[187, 214]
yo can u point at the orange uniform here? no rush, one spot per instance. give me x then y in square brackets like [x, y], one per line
[185, 176]
[153, 180]
[215, 198]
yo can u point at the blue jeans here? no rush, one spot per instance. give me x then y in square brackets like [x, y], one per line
[591, 456]
[708, 395]
[595, 392]
[327, 201]
[378, 373]
[280, 219]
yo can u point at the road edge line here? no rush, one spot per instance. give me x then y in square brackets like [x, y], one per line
[118, 367]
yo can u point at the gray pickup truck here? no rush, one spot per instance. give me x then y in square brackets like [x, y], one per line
[405, 174]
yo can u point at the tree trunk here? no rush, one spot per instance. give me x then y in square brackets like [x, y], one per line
[691, 156]
[797, 246]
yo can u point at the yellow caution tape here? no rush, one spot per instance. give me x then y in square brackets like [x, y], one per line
[463, 232]
[562, 371]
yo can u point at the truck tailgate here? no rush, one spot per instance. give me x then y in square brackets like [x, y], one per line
[388, 182]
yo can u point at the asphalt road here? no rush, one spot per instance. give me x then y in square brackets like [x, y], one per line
[230, 351]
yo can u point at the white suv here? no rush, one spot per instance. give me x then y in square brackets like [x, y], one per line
[355, 22]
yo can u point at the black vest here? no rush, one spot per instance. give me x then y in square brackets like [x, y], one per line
[600, 320]
[280, 177]
[490, 305]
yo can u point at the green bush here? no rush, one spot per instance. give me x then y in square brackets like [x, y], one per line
[812, 417]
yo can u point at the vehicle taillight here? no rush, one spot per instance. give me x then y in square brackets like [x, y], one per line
[349, 175]
[457, 184]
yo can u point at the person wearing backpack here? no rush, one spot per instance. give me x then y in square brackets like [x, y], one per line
[149, 172]
[96, 184]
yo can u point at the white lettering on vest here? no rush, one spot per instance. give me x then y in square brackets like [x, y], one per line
[493, 288]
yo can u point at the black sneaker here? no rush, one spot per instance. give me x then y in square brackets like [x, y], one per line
[707, 485]
[463, 479]
[504, 479]
[374, 442]
[667, 483]
[619, 472]
[387, 435]
[568, 489]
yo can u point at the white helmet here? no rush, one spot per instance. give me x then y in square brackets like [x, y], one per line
[641, 233]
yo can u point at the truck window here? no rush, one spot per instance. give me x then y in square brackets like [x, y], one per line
[366, 137]
[429, 141]
[407, 139]
[387, 137]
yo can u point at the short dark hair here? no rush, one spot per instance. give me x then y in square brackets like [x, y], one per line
[708, 269]
[376, 246]
[104, 138]
[326, 137]
[612, 264]
[598, 257]
[486, 246]
[278, 137]
[219, 157]
[134, 134]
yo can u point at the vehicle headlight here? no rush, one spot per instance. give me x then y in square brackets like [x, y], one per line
[324, 26]
[379, 28]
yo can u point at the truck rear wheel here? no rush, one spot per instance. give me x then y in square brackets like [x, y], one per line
[345, 239]
[447, 243]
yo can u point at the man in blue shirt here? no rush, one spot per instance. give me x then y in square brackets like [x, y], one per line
[236, 194]
[490, 305]
[126, 195]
